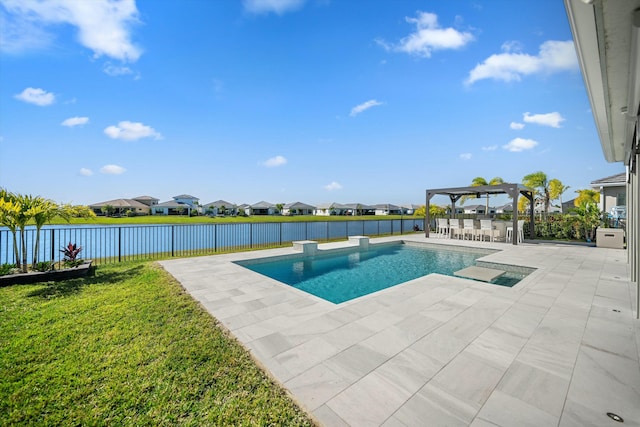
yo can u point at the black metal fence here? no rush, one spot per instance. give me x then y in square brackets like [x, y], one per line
[110, 244]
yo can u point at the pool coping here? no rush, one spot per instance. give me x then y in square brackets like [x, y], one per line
[560, 347]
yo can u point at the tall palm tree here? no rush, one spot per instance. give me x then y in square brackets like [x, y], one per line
[9, 211]
[27, 204]
[44, 211]
[556, 189]
[478, 182]
[539, 182]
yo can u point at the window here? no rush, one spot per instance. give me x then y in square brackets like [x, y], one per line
[621, 199]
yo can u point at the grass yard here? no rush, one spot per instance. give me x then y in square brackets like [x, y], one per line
[127, 347]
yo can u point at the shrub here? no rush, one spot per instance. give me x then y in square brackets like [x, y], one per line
[7, 269]
[43, 266]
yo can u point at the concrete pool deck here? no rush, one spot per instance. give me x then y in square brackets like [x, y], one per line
[561, 348]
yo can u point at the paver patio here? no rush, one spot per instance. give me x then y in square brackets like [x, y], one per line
[561, 348]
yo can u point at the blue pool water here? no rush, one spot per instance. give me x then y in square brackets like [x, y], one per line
[343, 276]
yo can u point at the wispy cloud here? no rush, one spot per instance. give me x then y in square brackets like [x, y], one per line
[36, 96]
[428, 37]
[75, 121]
[549, 119]
[119, 70]
[516, 126]
[520, 144]
[553, 56]
[465, 156]
[490, 148]
[86, 172]
[275, 6]
[364, 106]
[131, 131]
[333, 186]
[275, 162]
[112, 170]
[103, 25]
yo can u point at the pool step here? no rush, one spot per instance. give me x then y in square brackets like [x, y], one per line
[480, 273]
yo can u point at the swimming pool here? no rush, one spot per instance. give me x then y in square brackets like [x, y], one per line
[342, 275]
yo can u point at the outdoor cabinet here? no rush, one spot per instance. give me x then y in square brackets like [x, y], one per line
[610, 238]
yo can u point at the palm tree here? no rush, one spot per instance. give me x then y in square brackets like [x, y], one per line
[43, 211]
[556, 189]
[586, 196]
[539, 182]
[9, 210]
[478, 182]
[27, 204]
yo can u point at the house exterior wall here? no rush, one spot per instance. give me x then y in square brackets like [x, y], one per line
[612, 196]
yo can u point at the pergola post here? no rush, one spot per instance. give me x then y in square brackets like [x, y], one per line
[427, 219]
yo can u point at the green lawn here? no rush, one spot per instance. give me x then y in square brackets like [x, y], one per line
[126, 347]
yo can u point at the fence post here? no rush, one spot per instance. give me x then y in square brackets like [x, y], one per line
[215, 237]
[119, 244]
[280, 237]
[173, 239]
[250, 235]
[53, 244]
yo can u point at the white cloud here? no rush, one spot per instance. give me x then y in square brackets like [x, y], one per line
[130, 131]
[520, 144]
[275, 162]
[103, 25]
[86, 172]
[549, 119]
[116, 70]
[490, 148]
[364, 106]
[36, 96]
[112, 169]
[553, 56]
[333, 186]
[516, 126]
[465, 156]
[428, 37]
[75, 121]
[276, 6]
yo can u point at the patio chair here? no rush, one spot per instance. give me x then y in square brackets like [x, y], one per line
[469, 229]
[443, 227]
[486, 227]
[520, 231]
[454, 228]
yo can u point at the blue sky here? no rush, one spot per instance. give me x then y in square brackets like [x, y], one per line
[288, 100]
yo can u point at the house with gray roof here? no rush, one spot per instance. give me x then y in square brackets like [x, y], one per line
[328, 209]
[263, 208]
[613, 191]
[121, 207]
[220, 207]
[183, 204]
[387, 209]
[297, 208]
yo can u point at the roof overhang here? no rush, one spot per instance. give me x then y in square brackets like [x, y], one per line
[607, 39]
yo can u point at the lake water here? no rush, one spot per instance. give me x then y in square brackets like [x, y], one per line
[118, 243]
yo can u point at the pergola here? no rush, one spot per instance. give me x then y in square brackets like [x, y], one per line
[512, 190]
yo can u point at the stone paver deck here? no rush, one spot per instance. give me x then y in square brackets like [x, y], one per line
[561, 348]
